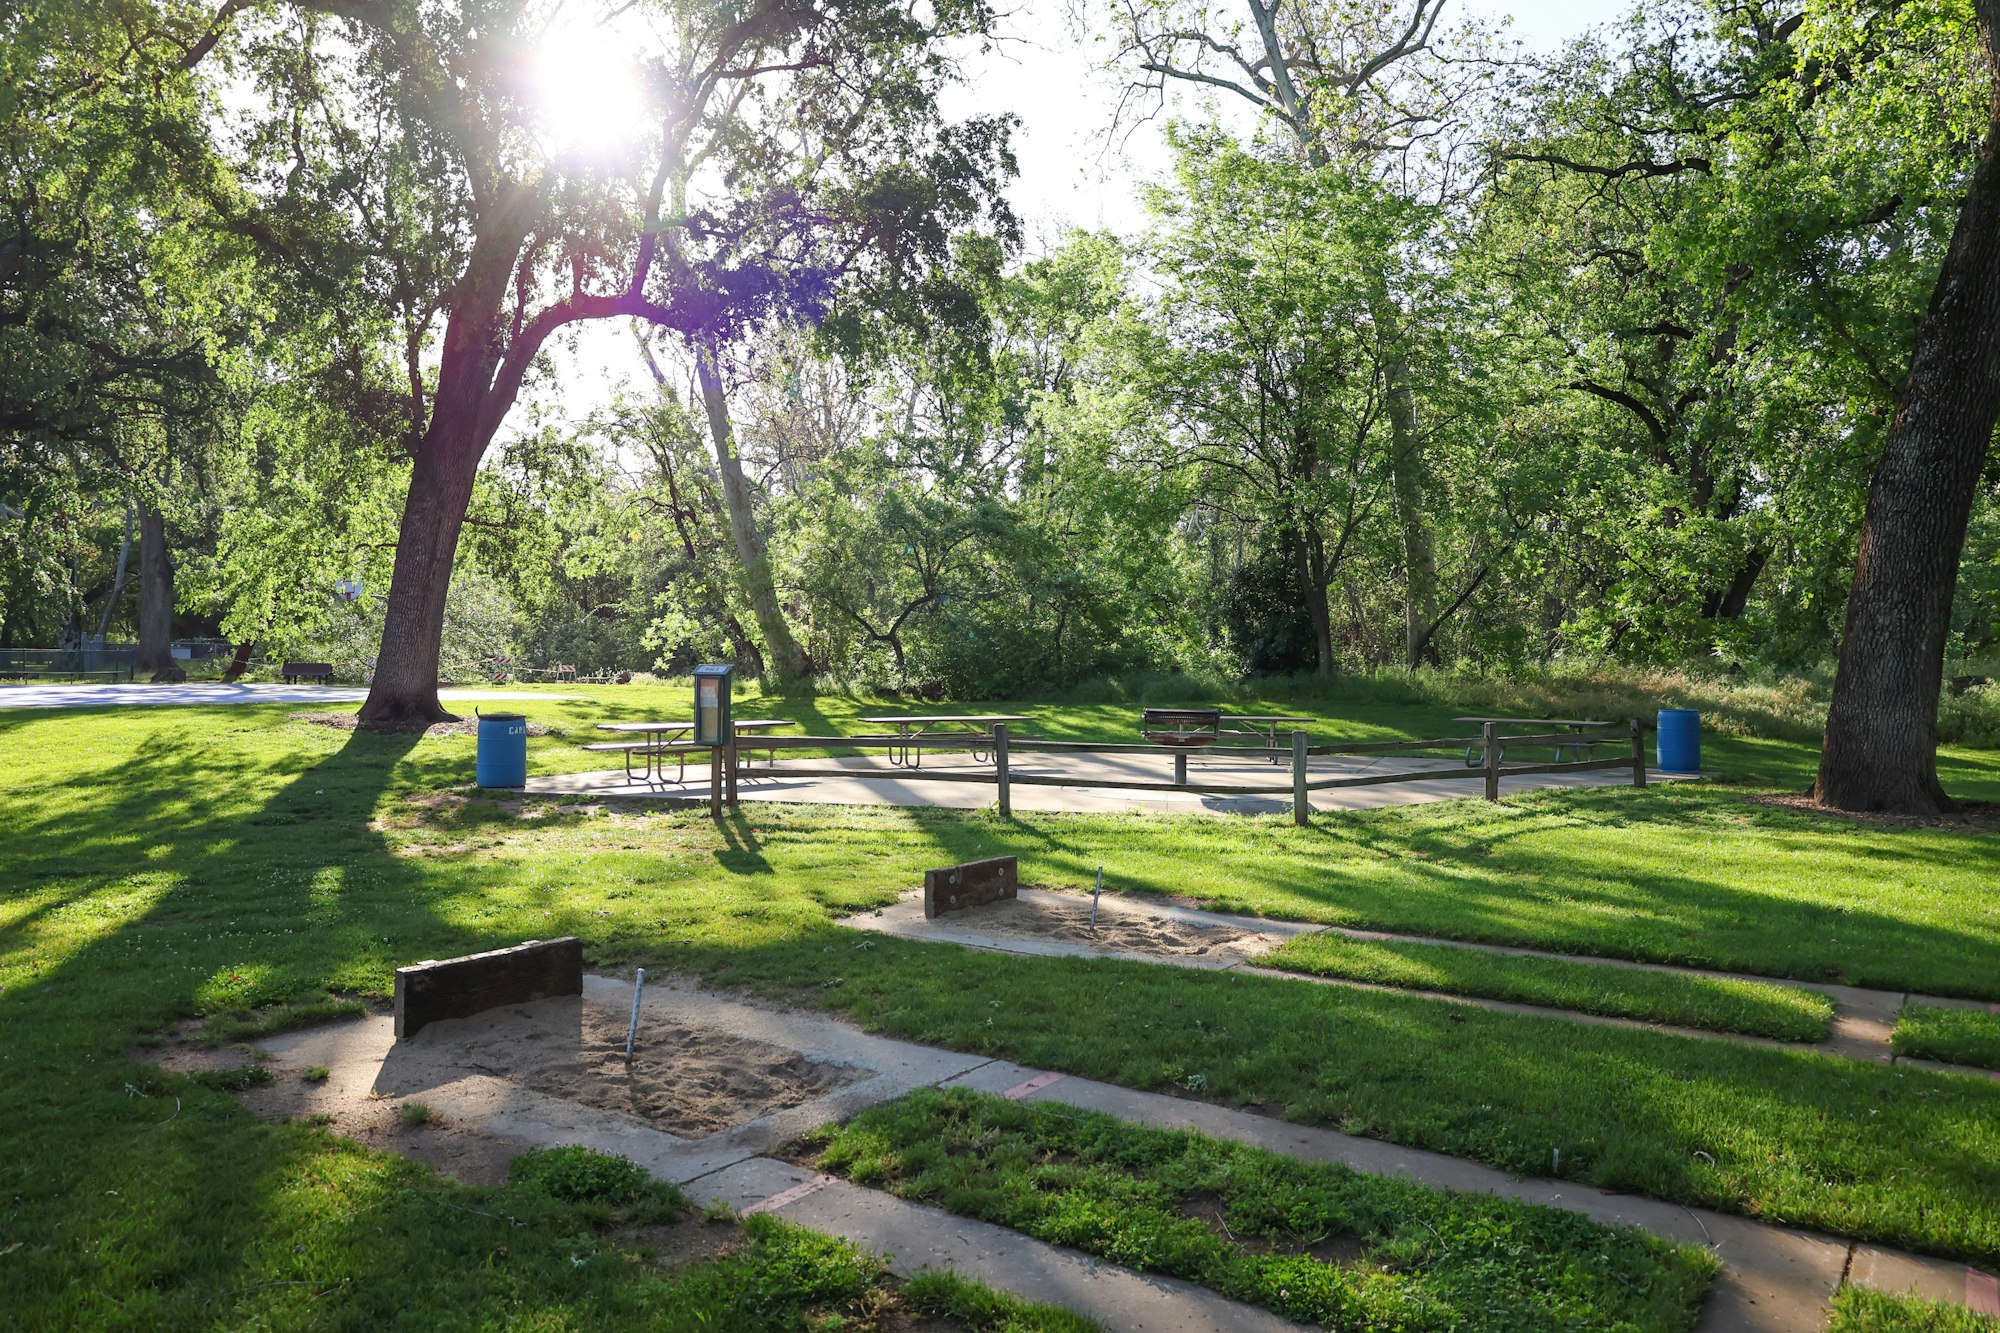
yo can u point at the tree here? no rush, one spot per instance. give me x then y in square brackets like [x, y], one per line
[1363, 87]
[1270, 360]
[1880, 749]
[412, 140]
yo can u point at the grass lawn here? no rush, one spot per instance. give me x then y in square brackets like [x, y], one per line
[1856, 1310]
[1956, 1036]
[161, 863]
[1317, 1243]
[1713, 1003]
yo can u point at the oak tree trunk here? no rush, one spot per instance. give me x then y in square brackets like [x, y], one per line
[1880, 750]
[781, 650]
[405, 688]
[156, 596]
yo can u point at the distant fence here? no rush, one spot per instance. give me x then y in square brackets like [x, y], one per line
[91, 662]
[1486, 754]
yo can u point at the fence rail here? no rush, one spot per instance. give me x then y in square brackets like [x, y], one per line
[1490, 743]
[91, 662]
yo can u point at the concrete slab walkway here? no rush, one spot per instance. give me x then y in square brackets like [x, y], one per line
[211, 693]
[1774, 1280]
[872, 780]
[1862, 1024]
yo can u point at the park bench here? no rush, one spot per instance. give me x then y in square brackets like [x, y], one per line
[294, 672]
[1185, 728]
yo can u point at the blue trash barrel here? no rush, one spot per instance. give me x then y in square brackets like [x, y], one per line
[503, 750]
[1679, 746]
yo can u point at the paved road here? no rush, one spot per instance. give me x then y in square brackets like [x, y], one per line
[127, 696]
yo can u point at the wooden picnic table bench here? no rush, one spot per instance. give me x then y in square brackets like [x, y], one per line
[294, 672]
[977, 726]
[1183, 728]
[661, 739]
[1265, 725]
[1474, 755]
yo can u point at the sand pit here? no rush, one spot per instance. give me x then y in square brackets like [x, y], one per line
[685, 1081]
[1120, 928]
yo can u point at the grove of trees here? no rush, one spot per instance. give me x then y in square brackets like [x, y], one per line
[1678, 345]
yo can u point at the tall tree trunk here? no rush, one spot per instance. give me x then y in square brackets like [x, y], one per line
[117, 582]
[781, 651]
[1406, 476]
[406, 667]
[156, 595]
[1312, 586]
[1880, 751]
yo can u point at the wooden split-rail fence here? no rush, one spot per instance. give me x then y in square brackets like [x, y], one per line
[1485, 761]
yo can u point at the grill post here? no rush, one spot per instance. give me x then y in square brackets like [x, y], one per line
[1489, 735]
[1301, 809]
[1000, 768]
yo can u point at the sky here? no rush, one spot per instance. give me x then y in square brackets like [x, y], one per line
[1071, 173]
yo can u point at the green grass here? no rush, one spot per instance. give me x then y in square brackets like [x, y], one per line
[162, 864]
[1955, 1036]
[1858, 1310]
[1263, 1228]
[1714, 1003]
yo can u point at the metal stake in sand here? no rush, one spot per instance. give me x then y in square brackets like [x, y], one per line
[1093, 897]
[632, 1033]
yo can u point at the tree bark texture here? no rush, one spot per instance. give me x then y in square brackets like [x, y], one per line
[405, 687]
[1880, 749]
[781, 650]
[156, 596]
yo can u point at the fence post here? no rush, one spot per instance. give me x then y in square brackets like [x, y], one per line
[1180, 768]
[1638, 753]
[1301, 809]
[1489, 734]
[729, 780]
[1000, 768]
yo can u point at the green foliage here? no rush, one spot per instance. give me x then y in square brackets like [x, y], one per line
[1251, 1224]
[580, 1175]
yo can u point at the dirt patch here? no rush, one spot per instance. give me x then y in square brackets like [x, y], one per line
[685, 1081]
[1970, 817]
[469, 1155]
[1120, 926]
[465, 726]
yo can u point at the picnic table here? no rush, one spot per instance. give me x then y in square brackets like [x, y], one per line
[1265, 725]
[659, 740]
[1575, 725]
[977, 726]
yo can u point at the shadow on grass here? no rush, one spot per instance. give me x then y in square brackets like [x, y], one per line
[142, 1199]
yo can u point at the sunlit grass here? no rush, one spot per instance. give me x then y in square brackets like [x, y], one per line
[1716, 1003]
[159, 864]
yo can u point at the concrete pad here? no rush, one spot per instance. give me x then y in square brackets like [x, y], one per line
[915, 1238]
[210, 693]
[872, 780]
[365, 1061]
[1774, 1279]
